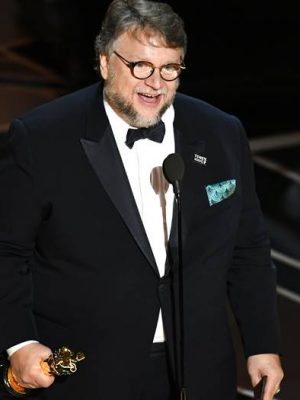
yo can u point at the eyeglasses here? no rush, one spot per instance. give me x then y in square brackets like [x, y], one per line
[144, 69]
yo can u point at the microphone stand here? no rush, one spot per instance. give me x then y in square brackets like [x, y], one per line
[173, 168]
[182, 394]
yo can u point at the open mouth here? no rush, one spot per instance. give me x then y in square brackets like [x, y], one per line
[149, 99]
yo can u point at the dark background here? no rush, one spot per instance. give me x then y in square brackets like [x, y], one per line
[243, 57]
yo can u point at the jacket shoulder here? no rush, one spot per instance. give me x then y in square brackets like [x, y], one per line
[197, 118]
[59, 109]
[194, 107]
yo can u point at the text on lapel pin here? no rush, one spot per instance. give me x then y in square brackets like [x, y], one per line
[200, 159]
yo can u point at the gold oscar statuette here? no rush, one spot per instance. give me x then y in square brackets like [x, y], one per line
[62, 362]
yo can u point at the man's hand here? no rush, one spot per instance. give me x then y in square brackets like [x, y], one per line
[269, 365]
[26, 366]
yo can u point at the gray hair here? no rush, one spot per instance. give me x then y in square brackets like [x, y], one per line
[135, 15]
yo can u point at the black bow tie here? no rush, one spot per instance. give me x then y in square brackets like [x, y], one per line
[155, 133]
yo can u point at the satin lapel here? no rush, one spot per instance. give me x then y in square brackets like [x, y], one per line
[104, 157]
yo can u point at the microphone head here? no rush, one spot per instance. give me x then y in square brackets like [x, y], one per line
[173, 168]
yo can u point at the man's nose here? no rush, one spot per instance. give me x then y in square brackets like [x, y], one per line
[154, 80]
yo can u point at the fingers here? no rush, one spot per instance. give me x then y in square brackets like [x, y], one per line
[271, 389]
[32, 377]
[26, 366]
[266, 365]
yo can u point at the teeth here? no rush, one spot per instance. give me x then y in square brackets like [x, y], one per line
[147, 95]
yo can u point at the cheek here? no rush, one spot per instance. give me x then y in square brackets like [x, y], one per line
[121, 81]
[172, 90]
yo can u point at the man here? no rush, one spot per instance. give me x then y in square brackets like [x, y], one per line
[82, 239]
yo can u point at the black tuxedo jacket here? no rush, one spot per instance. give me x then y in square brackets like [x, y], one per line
[76, 266]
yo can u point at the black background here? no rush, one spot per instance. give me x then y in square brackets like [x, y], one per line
[242, 55]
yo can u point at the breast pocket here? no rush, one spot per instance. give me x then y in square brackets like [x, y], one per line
[212, 204]
[220, 191]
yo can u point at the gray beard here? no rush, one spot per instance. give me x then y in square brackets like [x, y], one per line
[125, 109]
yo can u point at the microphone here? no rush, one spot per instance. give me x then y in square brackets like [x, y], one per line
[173, 168]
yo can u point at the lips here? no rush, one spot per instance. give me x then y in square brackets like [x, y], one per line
[148, 99]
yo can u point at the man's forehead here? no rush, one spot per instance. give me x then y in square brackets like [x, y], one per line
[145, 37]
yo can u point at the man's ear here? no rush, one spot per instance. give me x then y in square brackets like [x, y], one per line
[103, 63]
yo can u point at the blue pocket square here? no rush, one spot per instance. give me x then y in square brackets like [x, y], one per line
[220, 191]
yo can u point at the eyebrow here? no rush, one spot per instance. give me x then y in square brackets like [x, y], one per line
[138, 59]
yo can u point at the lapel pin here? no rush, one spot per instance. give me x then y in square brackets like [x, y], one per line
[200, 159]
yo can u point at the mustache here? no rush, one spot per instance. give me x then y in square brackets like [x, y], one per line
[152, 93]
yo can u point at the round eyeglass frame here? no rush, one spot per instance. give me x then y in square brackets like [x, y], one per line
[131, 65]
